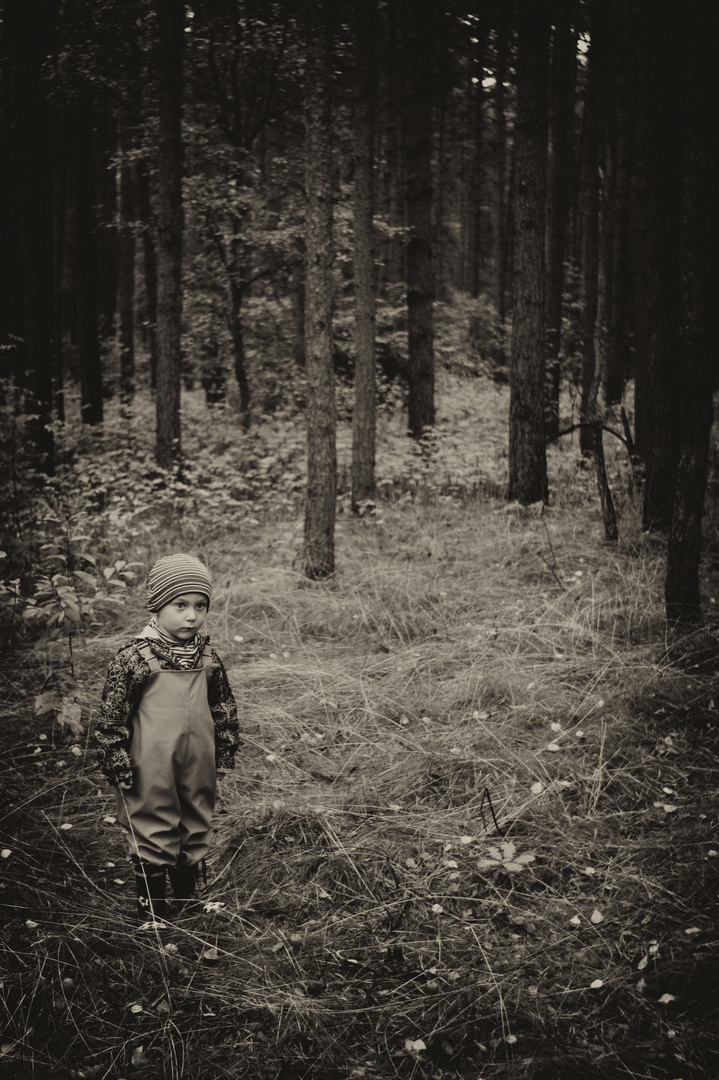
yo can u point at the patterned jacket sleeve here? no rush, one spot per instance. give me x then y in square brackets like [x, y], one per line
[126, 677]
[224, 713]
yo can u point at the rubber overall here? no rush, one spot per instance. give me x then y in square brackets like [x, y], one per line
[168, 810]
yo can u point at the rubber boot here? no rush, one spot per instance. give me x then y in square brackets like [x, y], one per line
[183, 880]
[150, 885]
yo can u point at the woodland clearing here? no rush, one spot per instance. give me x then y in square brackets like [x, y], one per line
[472, 830]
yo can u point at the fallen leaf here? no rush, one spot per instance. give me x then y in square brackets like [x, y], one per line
[693, 930]
[238, 637]
[537, 788]
[555, 726]
[596, 916]
[579, 735]
[66, 825]
[31, 924]
[576, 920]
[596, 984]
[5, 853]
[589, 871]
[413, 1046]
[171, 948]
[553, 747]
[467, 839]
[210, 955]
[138, 1056]
[642, 963]
[666, 999]
[511, 1039]
[107, 820]
[437, 909]
[136, 1008]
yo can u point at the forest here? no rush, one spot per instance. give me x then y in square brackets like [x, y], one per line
[400, 316]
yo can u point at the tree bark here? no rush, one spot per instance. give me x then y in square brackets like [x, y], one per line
[619, 117]
[699, 265]
[126, 270]
[363, 414]
[561, 110]
[589, 213]
[501, 230]
[656, 183]
[417, 27]
[106, 218]
[168, 202]
[476, 254]
[91, 405]
[319, 546]
[149, 264]
[527, 455]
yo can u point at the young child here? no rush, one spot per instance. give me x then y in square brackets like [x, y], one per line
[168, 722]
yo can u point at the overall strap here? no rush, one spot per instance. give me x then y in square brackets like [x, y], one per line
[207, 659]
[145, 651]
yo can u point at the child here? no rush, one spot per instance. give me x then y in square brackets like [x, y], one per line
[168, 722]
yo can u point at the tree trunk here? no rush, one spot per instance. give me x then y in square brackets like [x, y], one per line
[476, 238]
[561, 111]
[126, 271]
[417, 26]
[527, 456]
[619, 143]
[149, 264]
[106, 218]
[319, 537]
[235, 276]
[171, 19]
[91, 406]
[28, 35]
[699, 265]
[363, 415]
[655, 203]
[589, 213]
[501, 230]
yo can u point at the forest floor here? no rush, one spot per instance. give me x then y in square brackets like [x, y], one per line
[472, 830]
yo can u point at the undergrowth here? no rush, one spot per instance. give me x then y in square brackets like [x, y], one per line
[471, 831]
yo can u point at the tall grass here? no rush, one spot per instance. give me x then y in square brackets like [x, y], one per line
[475, 685]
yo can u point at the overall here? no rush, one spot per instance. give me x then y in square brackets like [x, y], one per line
[168, 810]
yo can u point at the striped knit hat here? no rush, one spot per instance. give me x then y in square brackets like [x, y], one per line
[175, 575]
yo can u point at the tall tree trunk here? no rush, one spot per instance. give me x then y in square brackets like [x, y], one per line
[149, 264]
[619, 144]
[417, 27]
[501, 231]
[589, 216]
[171, 26]
[235, 276]
[106, 217]
[319, 536]
[655, 204]
[60, 200]
[391, 261]
[28, 33]
[561, 111]
[126, 270]
[363, 415]
[476, 238]
[699, 277]
[527, 456]
[91, 406]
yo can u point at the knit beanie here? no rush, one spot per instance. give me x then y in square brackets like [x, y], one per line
[175, 575]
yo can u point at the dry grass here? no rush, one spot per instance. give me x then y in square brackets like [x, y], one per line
[469, 668]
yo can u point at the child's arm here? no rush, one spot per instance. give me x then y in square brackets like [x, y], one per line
[224, 713]
[126, 678]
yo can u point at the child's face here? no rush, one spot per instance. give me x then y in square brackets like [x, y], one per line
[183, 616]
